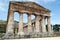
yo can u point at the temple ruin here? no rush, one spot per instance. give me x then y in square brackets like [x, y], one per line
[36, 26]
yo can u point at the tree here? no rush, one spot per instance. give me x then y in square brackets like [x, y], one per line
[56, 28]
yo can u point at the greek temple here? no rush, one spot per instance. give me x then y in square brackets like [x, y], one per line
[36, 26]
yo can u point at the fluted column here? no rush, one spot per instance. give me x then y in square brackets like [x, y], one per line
[40, 25]
[49, 25]
[15, 30]
[43, 24]
[34, 27]
[37, 23]
[29, 24]
[20, 30]
[10, 24]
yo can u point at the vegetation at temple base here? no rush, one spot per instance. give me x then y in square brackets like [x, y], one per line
[56, 28]
[2, 28]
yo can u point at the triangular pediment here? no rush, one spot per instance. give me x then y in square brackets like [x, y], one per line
[32, 4]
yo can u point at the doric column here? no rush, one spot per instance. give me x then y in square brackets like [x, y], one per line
[20, 30]
[37, 23]
[49, 25]
[34, 27]
[29, 24]
[43, 24]
[15, 30]
[10, 24]
[40, 25]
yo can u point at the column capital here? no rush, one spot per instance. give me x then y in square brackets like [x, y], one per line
[28, 13]
[20, 12]
[43, 17]
[48, 16]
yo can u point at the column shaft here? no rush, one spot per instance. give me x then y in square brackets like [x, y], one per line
[34, 27]
[40, 25]
[43, 24]
[29, 23]
[15, 30]
[20, 31]
[10, 24]
[37, 24]
[49, 25]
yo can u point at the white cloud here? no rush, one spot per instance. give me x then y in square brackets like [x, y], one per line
[16, 0]
[45, 1]
[2, 7]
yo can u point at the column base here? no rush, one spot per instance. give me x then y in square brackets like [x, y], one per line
[45, 34]
[32, 35]
[8, 35]
[20, 33]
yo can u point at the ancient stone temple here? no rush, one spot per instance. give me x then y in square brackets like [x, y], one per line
[36, 27]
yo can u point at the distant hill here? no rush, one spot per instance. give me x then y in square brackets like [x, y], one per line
[2, 22]
[3, 25]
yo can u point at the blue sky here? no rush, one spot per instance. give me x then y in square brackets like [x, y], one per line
[53, 5]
